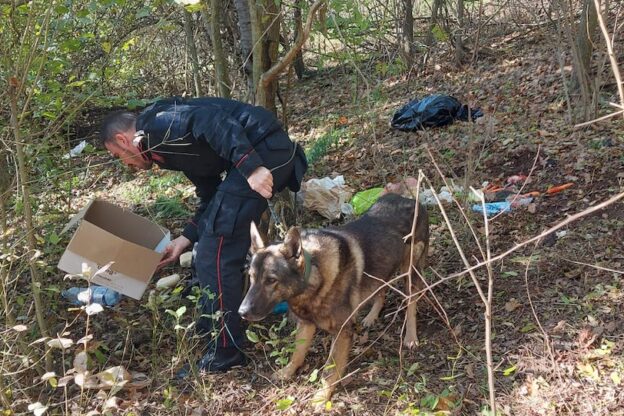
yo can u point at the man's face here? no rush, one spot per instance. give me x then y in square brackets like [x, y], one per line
[123, 148]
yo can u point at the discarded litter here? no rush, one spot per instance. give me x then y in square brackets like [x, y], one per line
[492, 208]
[432, 111]
[519, 200]
[111, 378]
[409, 189]
[556, 189]
[363, 200]
[329, 197]
[168, 281]
[95, 294]
[186, 259]
[76, 150]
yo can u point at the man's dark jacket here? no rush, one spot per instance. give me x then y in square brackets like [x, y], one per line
[204, 137]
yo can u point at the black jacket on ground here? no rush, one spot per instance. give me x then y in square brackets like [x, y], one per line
[204, 137]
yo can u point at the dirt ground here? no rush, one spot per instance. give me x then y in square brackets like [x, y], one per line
[557, 328]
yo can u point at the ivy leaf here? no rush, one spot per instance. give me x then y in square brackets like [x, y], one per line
[284, 404]
[509, 370]
[252, 336]
[313, 376]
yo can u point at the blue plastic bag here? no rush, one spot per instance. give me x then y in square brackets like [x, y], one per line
[432, 111]
[492, 208]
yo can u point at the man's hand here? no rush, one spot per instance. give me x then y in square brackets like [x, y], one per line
[173, 250]
[261, 181]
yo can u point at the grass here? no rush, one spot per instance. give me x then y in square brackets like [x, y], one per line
[322, 145]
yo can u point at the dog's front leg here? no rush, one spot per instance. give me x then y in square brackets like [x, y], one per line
[303, 340]
[372, 316]
[335, 366]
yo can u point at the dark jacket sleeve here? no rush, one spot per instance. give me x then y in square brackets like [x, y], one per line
[227, 137]
[205, 188]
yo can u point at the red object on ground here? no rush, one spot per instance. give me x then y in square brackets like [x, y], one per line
[559, 188]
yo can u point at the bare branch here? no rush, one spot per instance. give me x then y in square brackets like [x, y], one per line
[290, 56]
[612, 58]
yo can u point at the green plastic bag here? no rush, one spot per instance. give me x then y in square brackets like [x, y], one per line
[363, 200]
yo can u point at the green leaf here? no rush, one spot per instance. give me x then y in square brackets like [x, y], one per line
[191, 8]
[527, 328]
[252, 336]
[53, 382]
[106, 47]
[76, 84]
[143, 12]
[509, 371]
[412, 369]
[61, 9]
[430, 401]
[181, 310]
[100, 357]
[313, 376]
[134, 103]
[54, 238]
[284, 404]
[70, 45]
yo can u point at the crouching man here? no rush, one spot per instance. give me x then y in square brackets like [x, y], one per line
[204, 138]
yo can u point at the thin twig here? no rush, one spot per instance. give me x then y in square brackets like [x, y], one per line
[612, 58]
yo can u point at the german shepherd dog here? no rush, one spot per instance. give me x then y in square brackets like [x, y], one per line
[326, 275]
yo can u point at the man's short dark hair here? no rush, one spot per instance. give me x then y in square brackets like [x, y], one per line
[117, 122]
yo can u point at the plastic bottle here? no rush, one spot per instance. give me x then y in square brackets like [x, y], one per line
[168, 281]
[517, 201]
[96, 294]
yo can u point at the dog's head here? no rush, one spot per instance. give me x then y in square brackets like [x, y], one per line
[276, 273]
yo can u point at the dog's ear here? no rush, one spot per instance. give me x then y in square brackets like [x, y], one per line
[256, 239]
[292, 243]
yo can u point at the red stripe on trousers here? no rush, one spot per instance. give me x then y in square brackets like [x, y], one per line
[221, 291]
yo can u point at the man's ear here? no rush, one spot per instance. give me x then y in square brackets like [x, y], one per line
[122, 140]
[256, 239]
[292, 243]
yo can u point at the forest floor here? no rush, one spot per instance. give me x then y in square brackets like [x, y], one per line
[558, 333]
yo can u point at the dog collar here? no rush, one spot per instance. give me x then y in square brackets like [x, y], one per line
[307, 259]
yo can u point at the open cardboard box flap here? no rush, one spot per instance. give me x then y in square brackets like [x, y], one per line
[110, 233]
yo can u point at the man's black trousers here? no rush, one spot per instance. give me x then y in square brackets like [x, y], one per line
[224, 241]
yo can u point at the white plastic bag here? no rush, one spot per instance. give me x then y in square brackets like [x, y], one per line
[329, 197]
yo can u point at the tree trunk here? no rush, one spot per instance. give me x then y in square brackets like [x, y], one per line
[407, 34]
[585, 47]
[5, 185]
[298, 64]
[23, 182]
[192, 50]
[245, 29]
[265, 24]
[267, 82]
[459, 41]
[220, 62]
[433, 21]
[255, 18]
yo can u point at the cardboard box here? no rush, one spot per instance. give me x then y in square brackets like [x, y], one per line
[110, 233]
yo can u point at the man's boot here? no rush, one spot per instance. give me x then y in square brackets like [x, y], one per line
[216, 361]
